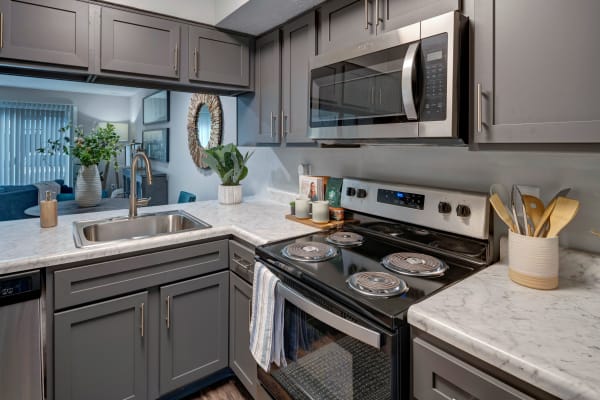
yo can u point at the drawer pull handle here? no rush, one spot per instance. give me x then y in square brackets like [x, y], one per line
[239, 261]
[479, 121]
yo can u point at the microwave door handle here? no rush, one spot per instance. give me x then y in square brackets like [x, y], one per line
[408, 77]
[350, 328]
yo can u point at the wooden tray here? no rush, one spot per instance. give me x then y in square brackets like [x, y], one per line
[324, 225]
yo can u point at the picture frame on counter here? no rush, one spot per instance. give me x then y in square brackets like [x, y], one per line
[312, 187]
[155, 143]
[156, 107]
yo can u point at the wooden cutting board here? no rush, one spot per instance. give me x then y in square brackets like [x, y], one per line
[324, 225]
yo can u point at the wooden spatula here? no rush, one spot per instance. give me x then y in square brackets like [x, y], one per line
[502, 212]
[564, 211]
[534, 208]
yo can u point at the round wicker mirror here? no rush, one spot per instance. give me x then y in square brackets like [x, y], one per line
[205, 114]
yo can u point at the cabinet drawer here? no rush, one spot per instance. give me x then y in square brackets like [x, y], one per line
[105, 279]
[439, 376]
[241, 260]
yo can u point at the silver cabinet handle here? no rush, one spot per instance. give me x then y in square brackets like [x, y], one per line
[380, 96]
[273, 121]
[1, 30]
[479, 122]
[142, 320]
[238, 260]
[196, 62]
[176, 66]
[367, 22]
[168, 318]
[350, 328]
[378, 19]
[408, 77]
[283, 124]
[372, 94]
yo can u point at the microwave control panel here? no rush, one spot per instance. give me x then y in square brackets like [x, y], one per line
[434, 58]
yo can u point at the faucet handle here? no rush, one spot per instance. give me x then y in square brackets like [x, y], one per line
[143, 202]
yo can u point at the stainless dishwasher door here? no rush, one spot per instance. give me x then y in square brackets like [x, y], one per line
[20, 337]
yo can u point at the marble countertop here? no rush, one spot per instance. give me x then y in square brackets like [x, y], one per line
[550, 339]
[24, 245]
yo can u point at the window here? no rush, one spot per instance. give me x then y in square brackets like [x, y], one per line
[24, 127]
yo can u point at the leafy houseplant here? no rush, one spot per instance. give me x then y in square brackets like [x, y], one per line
[230, 165]
[101, 144]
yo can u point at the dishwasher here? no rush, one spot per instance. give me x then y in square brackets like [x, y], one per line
[21, 338]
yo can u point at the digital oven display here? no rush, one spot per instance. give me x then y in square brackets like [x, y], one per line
[403, 199]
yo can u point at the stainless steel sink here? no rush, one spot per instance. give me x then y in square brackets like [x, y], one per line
[89, 233]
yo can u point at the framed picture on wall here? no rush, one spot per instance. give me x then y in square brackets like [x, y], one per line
[156, 107]
[155, 143]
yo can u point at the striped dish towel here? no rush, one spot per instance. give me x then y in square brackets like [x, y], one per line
[266, 324]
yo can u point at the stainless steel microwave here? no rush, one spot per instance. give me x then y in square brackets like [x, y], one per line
[403, 84]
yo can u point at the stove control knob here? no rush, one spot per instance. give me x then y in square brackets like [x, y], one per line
[463, 210]
[361, 193]
[350, 191]
[444, 208]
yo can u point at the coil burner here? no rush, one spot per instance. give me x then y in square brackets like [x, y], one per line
[345, 239]
[309, 251]
[377, 284]
[414, 264]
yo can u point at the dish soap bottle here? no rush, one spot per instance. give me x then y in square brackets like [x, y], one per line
[48, 211]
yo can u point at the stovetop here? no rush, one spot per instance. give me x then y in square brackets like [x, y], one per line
[329, 277]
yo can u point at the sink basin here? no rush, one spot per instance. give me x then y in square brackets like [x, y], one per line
[89, 233]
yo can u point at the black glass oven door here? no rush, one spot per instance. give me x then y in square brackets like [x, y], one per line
[325, 363]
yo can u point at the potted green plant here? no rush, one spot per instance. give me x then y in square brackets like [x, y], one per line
[230, 165]
[101, 144]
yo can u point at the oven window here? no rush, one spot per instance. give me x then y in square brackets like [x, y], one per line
[323, 363]
[359, 91]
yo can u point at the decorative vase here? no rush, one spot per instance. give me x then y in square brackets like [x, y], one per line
[88, 189]
[230, 194]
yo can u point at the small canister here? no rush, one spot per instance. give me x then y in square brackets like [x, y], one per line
[336, 213]
[48, 211]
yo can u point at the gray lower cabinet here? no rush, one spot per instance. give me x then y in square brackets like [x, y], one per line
[45, 31]
[299, 44]
[240, 310]
[438, 375]
[536, 71]
[193, 330]
[218, 57]
[139, 44]
[100, 350]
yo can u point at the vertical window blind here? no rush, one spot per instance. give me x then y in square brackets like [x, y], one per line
[24, 127]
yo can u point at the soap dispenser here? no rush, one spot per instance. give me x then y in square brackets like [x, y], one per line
[48, 211]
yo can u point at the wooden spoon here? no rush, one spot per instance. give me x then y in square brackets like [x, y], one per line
[564, 211]
[534, 208]
[502, 212]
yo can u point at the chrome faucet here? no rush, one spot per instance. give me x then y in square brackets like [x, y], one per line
[133, 201]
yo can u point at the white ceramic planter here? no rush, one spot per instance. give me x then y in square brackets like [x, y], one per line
[88, 189]
[230, 194]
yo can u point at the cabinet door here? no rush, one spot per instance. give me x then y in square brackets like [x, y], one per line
[139, 44]
[344, 22]
[47, 31]
[268, 86]
[218, 57]
[240, 359]
[299, 44]
[395, 14]
[438, 375]
[100, 350]
[537, 64]
[193, 330]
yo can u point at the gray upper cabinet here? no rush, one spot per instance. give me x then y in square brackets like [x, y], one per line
[536, 71]
[139, 44]
[193, 330]
[100, 350]
[45, 31]
[299, 44]
[394, 14]
[344, 22]
[240, 359]
[218, 57]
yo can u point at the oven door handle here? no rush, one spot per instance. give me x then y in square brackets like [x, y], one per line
[350, 328]
[408, 77]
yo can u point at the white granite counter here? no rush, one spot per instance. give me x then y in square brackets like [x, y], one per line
[24, 245]
[550, 339]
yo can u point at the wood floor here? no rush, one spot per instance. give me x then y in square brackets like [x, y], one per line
[229, 390]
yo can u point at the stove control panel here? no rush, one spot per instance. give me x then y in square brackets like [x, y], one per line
[460, 212]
